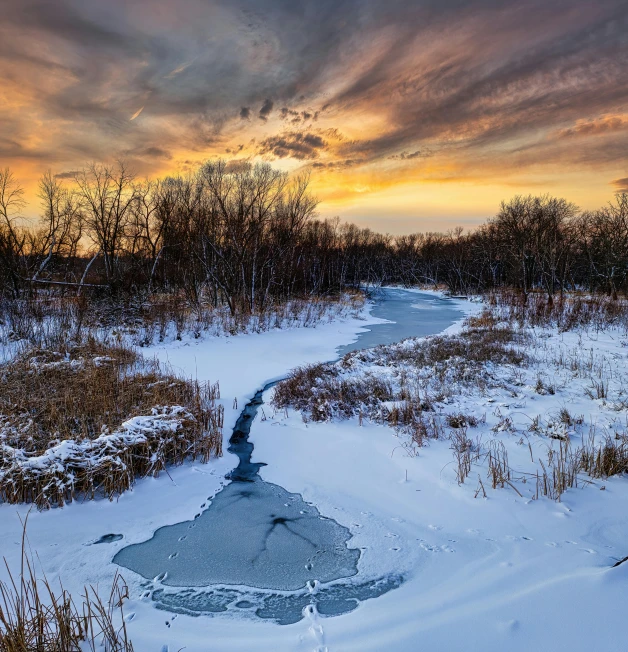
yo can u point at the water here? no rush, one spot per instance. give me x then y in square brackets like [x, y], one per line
[258, 549]
[255, 534]
[410, 314]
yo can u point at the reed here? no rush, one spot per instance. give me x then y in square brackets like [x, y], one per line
[89, 420]
[34, 617]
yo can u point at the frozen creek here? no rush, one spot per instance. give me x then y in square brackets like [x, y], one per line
[256, 549]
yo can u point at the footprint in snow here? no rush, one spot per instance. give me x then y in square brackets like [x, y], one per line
[429, 548]
[435, 527]
[514, 538]
[129, 617]
[552, 544]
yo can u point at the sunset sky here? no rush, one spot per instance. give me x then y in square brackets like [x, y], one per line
[412, 115]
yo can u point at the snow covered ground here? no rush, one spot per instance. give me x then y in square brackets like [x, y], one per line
[502, 572]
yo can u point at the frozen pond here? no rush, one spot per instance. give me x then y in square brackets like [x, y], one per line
[259, 549]
[409, 314]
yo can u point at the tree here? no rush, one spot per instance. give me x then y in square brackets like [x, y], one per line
[107, 196]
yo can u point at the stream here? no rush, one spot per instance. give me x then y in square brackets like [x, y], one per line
[258, 549]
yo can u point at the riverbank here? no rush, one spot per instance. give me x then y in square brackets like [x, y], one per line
[504, 567]
[241, 364]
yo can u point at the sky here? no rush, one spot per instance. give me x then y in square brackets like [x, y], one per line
[412, 115]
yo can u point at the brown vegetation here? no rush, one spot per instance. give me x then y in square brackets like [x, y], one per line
[568, 312]
[36, 618]
[67, 426]
[407, 385]
[324, 391]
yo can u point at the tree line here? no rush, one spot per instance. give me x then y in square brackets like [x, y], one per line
[247, 236]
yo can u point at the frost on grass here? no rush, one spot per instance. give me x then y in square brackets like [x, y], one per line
[159, 318]
[509, 393]
[89, 420]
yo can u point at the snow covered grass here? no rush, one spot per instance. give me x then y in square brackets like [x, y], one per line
[88, 420]
[169, 318]
[444, 387]
[565, 313]
[35, 616]
[50, 322]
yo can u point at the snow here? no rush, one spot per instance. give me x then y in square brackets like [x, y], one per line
[505, 572]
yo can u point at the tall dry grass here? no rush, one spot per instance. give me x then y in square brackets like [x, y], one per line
[50, 321]
[361, 383]
[565, 312]
[88, 420]
[34, 617]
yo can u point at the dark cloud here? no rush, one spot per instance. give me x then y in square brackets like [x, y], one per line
[69, 174]
[335, 165]
[620, 185]
[295, 117]
[298, 145]
[484, 82]
[408, 156]
[267, 107]
[151, 152]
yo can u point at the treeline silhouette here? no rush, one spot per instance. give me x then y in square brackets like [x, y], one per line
[247, 237]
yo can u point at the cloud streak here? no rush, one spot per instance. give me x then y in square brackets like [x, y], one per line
[361, 90]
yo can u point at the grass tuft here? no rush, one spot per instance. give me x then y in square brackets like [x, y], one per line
[88, 420]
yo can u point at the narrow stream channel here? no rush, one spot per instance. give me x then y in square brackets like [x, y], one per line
[258, 549]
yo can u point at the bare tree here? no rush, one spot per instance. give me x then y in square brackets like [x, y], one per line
[13, 239]
[108, 194]
[62, 223]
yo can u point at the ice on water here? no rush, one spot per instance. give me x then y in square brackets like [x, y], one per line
[410, 314]
[255, 534]
[259, 549]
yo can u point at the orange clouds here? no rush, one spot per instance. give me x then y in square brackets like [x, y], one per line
[604, 124]
[408, 108]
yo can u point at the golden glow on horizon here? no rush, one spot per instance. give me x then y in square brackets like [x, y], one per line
[408, 121]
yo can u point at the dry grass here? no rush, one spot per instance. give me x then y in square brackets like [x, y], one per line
[321, 393]
[36, 618]
[608, 459]
[67, 426]
[566, 313]
[345, 389]
[409, 385]
[51, 321]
